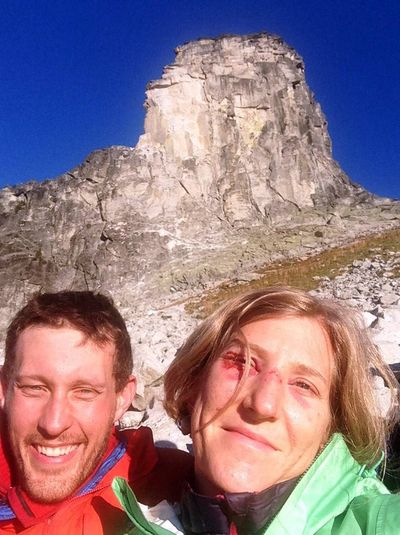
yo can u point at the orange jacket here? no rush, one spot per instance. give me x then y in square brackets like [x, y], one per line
[154, 474]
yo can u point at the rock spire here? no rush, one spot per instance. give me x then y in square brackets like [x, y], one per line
[235, 147]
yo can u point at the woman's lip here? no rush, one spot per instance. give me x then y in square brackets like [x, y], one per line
[251, 435]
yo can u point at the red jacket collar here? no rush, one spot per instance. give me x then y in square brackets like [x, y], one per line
[29, 512]
[154, 474]
[5, 460]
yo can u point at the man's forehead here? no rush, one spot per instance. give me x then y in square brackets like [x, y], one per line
[64, 342]
[80, 337]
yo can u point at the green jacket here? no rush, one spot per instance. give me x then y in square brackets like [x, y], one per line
[335, 496]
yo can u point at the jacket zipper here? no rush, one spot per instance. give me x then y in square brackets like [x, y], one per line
[264, 529]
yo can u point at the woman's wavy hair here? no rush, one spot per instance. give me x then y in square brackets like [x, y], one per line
[354, 405]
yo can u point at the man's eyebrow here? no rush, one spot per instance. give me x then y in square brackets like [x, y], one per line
[76, 382]
[296, 366]
[33, 376]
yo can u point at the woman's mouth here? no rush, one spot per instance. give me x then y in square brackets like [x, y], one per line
[251, 438]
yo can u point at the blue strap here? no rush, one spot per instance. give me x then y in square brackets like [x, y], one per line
[6, 513]
[109, 463]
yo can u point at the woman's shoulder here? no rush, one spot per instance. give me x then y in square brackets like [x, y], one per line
[375, 515]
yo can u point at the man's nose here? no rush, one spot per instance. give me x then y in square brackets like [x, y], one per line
[264, 395]
[56, 416]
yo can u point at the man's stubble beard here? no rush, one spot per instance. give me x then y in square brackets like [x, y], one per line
[57, 485]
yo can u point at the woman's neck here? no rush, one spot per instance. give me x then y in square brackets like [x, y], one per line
[245, 511]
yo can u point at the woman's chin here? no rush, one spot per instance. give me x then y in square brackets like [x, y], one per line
[224, 479]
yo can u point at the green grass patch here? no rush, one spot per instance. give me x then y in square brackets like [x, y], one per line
[304, 274]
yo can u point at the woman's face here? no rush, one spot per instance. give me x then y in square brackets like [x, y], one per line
[279, 421]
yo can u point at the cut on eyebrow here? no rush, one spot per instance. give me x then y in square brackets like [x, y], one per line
[296, 366]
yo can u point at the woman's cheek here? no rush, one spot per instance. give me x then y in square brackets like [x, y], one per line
[303, 401]
[299, 411]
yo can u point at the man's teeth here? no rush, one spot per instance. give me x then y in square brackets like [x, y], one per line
[55, 452]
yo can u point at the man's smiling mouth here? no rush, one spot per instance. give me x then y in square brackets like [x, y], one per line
[57, 451]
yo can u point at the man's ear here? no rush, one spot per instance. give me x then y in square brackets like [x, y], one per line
[125, 397]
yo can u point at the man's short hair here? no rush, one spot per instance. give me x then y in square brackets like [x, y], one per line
[93, 314]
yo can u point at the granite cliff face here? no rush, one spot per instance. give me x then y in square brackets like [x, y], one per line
[237, 127]
[235, 147]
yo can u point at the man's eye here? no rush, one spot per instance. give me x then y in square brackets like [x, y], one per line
[85, 393]
[32, 389]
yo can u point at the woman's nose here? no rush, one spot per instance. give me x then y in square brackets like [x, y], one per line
[56, 416]
[264, 395]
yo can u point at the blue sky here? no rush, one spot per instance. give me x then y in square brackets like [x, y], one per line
[73, 74]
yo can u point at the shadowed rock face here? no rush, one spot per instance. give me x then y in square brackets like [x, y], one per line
[234, 145]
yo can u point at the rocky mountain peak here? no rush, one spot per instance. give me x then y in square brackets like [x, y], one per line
[239, 128]
[235, 147]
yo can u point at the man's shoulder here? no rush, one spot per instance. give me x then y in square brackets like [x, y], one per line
[155, 473]
[5, 468]
[138, 441]
[141, 455]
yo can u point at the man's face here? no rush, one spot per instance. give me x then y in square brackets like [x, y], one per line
[60, 405]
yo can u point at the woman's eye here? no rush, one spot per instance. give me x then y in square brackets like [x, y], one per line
[307, 387]
[304, 385]
[234, 362]
[238, 361]
[235, 359]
